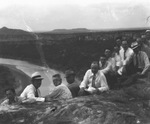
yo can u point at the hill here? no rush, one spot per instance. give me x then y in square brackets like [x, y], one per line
[76, 30]
[7, 34]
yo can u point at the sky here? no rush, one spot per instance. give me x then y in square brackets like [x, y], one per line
[46, 15]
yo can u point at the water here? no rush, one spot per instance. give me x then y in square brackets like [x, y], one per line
[29, 68]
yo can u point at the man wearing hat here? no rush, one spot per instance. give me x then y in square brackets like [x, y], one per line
[140, 60]
[32, 91]
[143, 45]
[147, 33]
[73, 85]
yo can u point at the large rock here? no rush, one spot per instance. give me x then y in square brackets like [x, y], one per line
[114, 107]
[129, 105]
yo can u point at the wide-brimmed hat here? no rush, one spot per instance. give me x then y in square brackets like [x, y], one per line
[134, 45]
[147, 31]
[69, 73]
[37, 76]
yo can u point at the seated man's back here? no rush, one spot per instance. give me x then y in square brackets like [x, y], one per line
[74, 88]
[73, 84]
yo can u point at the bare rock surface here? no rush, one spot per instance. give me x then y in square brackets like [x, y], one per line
[113, 107]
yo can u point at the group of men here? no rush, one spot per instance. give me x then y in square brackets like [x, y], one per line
[127, 62]
[102, 75]
[32, 93]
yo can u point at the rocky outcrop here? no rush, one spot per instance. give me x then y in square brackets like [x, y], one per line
[10, 76]
[113, 107]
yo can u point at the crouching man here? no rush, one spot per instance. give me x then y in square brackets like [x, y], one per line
[60, 92]
[11, 98]
[94, 81]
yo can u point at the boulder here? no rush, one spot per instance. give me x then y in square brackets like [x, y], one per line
[113, 107]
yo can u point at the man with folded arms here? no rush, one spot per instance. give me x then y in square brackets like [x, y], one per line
[94, 81]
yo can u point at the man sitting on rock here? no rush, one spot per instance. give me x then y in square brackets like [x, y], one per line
[106, 69]
[73, 85]
[140, 60]
[12, 99]
[32, 93]
[60, 92]
[94, 81]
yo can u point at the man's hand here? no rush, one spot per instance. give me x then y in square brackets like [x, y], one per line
[48, 99]
[96, 91]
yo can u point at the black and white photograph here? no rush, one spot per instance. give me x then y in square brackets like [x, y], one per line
[74, 62]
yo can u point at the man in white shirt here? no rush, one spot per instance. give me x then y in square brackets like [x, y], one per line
[32, 93]
[60, 92]
[110, 59]
[94, 81]
[106, 69]
[105, 66]
[119, 43]
[147, 32]
[126, 55]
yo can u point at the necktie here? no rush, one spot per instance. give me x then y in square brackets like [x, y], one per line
[36, 93]
[124, 54]
[93, 81]
[137, 63]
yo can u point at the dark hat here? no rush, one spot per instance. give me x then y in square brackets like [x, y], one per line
[69, 73]
[134, 45]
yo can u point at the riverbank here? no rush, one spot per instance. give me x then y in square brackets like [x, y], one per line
[21, 72]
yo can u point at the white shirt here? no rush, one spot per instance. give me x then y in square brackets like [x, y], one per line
[128, 55]
[29, 92]
[100, 81]
[60, 92]
[117, 58]
[106, 67]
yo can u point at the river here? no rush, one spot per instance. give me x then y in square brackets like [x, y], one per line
[29, 68]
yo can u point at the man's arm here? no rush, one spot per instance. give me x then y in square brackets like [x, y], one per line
[83, 84]
[107, 69]
[5, 102]
[103, 83]
[31, 95]
[147, 63]
[129, 57]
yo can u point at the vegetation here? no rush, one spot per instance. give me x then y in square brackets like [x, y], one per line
[63, 50]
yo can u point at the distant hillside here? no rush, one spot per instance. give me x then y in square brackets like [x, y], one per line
[7, 34]
[75, 49]
[76, 30]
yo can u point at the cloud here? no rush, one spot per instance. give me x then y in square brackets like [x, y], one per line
[93, 14]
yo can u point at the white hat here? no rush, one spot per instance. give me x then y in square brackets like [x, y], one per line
[36, 75]
[147, 31]
[134, 45]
